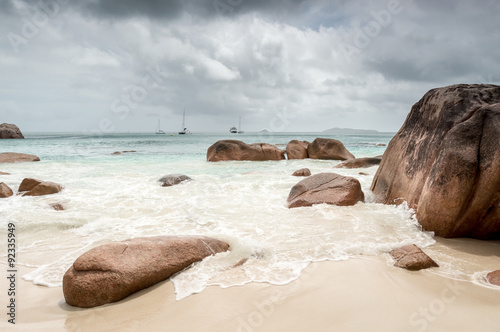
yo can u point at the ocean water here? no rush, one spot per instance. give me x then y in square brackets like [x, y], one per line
[115, 197]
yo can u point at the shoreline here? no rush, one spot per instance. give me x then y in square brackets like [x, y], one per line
[362, 293]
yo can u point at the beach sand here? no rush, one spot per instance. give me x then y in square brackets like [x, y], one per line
[360, 294]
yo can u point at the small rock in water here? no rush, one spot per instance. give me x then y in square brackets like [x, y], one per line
[302, 172]
[11, 157]
[173, 179]
[5, 190]
[412, 258]
[363, 173]
[381, 144]
[120, 152]
[34, 187]
[28, 183]
[57, 207]
[4, 173]
[360, 162]
[494, 277]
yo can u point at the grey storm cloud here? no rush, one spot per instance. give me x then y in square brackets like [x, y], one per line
[73, 65]
[172, 8]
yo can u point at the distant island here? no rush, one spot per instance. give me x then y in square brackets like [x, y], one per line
[351, 131]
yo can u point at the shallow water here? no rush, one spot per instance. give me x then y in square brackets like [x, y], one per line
[115, 197]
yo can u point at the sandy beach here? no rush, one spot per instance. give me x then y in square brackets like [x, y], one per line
[359, 294]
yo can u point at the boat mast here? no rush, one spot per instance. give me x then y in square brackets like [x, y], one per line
[184, 119]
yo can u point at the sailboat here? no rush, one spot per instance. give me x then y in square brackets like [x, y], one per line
[184, 130]
[158, 130]
[234, 130]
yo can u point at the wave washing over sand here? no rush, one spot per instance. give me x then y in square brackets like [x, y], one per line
[116, 197]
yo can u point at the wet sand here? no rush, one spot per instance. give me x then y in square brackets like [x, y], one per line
[361, 294]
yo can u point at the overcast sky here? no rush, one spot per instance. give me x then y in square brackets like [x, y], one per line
[286, 65]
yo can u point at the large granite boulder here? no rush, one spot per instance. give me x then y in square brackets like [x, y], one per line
[360, 162]
[412, 258]
[173, 179]
[445, 162]
[12, 157]
[237, 150]
[113, 271]
[296, 149]
[5, 190]
[329, 188]
[10, 131]
[34, 187]
[328, 148]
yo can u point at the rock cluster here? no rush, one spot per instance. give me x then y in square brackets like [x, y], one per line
[237, 150]
[320, 148]
[33, 187]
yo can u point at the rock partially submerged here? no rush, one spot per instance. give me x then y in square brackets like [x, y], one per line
[297, 149]
[120, 152]
[412, 258]
[12, 157]
[225, 150]
[329, 188]
[445, 162]
[28, 183]
[5, 190]
[57, 206]
[10, 131]
[173, 179]
[4, 173]
[494, 277]
[360, 162]
[302, 172]
[329, 149]
[34, 187]
[113, 271]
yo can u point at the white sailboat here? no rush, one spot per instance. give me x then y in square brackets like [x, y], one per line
[158, 130]
[184, 130]
[234, 130]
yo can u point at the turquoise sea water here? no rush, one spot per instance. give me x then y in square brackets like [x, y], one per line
[115, 197]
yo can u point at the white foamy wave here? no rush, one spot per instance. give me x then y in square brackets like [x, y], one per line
[113, 198]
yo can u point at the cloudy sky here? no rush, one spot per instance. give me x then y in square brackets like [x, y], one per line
[286, 65]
